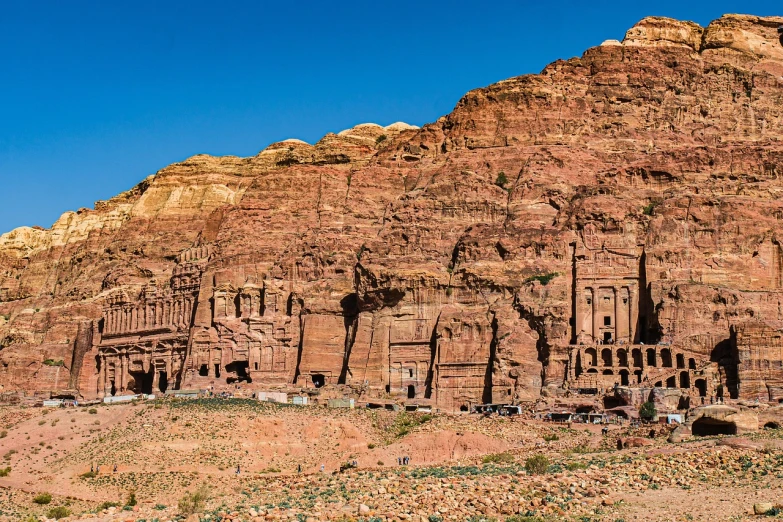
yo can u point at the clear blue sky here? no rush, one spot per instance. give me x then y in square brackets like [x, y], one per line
[95, 96]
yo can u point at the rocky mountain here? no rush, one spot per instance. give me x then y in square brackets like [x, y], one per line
[612, 220]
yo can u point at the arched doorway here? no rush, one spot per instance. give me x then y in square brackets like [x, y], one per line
[624, 377]
[651, 357]
[319, 380]
[685, 380]
[692, 363]
[638, 374]
[666, 358]
[608, 372]
[671, 382]
[637, 357]
[606, 357]
[680, 361]
[622, 357]
[591, 356]
[701, 385]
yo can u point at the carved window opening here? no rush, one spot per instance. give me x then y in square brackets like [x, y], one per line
[622, 358]
[625, 300]
[685, 380]
[113, 389]
[203, 371]
[589, 301]
[606, 356]
[651, 358]
[411, 392]
[255, 365]
[701, 385]
[607, 320]
[638, 374]
[637, 358]
[680, 361]
[319, 380]
[671, 382]
[607, 299]
[217, 370]
[624, 377]
[666, 358]
[592, 357]
[410, 373]
[464, 408]
[692, 363]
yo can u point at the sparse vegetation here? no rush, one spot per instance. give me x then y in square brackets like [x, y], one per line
[551, 437]
[537, 464]
[42, 499]
[4, 472]
[92, 411]
[380, 139]
[193, 502]
[58, 512]
[649, 208]
[53, 362]
[498, 458]
[501, 180]
[544, 279]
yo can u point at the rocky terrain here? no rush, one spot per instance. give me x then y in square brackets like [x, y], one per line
[462, 467]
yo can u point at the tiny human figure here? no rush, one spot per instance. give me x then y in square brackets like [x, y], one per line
[115, 468]
[399, 461]
[92, 468]
[299, 468]
[97, 469]
[238, 470]
[322, 468]
[604, 430]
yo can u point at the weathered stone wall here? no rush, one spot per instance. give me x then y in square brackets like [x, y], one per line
[643, 175]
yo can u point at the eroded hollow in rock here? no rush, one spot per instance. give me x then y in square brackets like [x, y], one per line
[705, 427]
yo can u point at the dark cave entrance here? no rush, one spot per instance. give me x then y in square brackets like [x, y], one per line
[705, 427]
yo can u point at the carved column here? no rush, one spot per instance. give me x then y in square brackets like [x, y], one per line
[616, 321]
[596, 325]
[632, 313]
[123, 372]
[102, 377]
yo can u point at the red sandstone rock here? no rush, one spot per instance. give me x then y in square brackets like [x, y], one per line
[546, 235]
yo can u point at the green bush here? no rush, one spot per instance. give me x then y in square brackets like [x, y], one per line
[42, 499]
[92, 411]
[193, 502]
[544, 279]
[131, 501]
[53, 362]
[3, 434]
[501, 180]
[647, 410]
[573, 466]
[88, 475]
[498, 458]
[537, 464]
[107, 505]
[380, 139]
[4, 472]
[550, 438]
[648, 209]
[58, 512]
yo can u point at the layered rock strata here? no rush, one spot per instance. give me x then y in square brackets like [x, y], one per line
[612, 220]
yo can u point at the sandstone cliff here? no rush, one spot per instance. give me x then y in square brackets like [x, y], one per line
[611, 220]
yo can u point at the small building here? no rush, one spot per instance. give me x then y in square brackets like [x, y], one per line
[269, 396]
[670, 418]
[300, 400]
[183, 394]
[341, 403]
[561, 417]
[52, 403]
[115, 399]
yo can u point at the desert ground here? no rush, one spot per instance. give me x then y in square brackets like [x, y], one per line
[177, 460]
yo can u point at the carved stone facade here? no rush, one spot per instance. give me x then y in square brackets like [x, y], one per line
[143, 342]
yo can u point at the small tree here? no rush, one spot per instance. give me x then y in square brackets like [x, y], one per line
[648, 411]
[58, 512]
[501, 180]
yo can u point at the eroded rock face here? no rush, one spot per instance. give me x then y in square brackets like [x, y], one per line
[613, 220]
